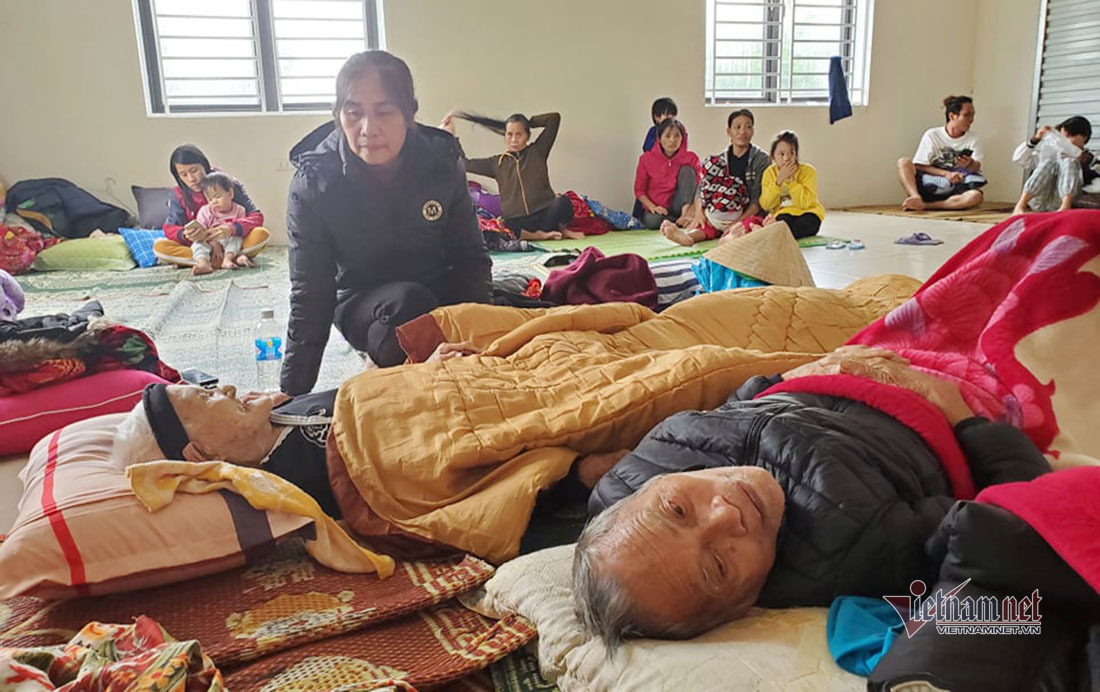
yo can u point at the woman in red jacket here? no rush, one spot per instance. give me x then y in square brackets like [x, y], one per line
[189, 166]
[667, 178]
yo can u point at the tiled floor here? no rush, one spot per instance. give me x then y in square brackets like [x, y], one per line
[831, 269]
[837, 268]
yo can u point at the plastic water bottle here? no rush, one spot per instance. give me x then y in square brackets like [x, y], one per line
[269, 352]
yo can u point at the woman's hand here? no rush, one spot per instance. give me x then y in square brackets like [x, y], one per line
[194, 232]
[448, 123]
[887, 367]
[591, 468]
[447, 351]
[1041, 132]
[658, 209]
[769, 220]
[877, 364]
[686, 216]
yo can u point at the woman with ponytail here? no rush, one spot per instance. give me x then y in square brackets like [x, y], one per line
[530, 206]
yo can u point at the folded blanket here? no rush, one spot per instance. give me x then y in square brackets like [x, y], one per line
[456, 452]
[1008, 319]
[156, 482]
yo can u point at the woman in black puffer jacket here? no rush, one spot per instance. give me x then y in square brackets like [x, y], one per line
[380, 222]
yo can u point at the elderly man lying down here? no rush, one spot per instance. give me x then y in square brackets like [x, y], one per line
[829, 480]
[784, 498]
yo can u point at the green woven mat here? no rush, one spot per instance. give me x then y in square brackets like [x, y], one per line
[649, 244]
[519, 672]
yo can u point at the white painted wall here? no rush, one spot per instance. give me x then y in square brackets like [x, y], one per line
[1004, 68]
[75, 106]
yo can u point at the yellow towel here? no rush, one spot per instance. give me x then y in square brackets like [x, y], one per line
[156, 483]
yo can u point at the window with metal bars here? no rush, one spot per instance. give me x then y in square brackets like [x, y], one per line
[220, 56]
[778, 51]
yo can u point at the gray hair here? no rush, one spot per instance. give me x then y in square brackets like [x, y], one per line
[601, 601]
[604, 604]
[134, 439]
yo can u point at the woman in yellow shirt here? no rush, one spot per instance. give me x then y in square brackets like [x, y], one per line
[788, 189]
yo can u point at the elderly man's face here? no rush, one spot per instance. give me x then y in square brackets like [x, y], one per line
[222, 425]
[697, 545]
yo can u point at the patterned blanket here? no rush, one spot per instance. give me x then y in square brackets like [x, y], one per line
[286, 623]
[1009, 318]
[141, 657]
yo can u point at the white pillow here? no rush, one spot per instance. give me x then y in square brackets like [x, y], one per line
[766, 650]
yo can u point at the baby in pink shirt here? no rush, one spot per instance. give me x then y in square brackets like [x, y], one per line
[220, 211]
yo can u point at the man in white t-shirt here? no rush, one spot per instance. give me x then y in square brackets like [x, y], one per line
[945, 171]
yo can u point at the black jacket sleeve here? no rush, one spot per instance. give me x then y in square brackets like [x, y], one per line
[470, 275]
[1001, 556]
[312, 291]
[998, 453]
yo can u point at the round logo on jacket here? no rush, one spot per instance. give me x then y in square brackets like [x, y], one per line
[432, 210]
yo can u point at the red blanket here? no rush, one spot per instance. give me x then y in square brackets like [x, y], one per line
[974, 322]
[1062, 508]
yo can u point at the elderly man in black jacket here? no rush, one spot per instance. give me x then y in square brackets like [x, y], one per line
[786, 499]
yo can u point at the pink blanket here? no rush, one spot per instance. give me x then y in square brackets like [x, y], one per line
[1012, 318]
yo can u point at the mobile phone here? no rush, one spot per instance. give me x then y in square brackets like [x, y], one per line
[202, 379]
[966, 152]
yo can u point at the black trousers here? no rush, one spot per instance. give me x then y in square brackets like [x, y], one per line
[552, 217]
[369, 320]
[803, 225]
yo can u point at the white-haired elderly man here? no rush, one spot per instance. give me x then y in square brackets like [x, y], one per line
[786, 498]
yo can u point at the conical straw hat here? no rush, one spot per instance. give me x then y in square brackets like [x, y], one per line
[769, 254]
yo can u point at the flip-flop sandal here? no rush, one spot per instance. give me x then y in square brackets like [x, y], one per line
[836, 245]
[918, 238]
[856, 244]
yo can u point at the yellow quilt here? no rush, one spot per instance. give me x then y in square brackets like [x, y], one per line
[457, 451]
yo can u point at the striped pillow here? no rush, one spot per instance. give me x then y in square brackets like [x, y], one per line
[80, 530]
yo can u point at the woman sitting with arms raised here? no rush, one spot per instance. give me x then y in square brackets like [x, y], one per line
[380, 222]
[531, 207]
[189, 166]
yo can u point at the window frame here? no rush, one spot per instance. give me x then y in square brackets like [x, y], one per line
[263, 26]
[776, 89]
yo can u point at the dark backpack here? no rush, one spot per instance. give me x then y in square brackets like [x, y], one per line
[56, 206]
